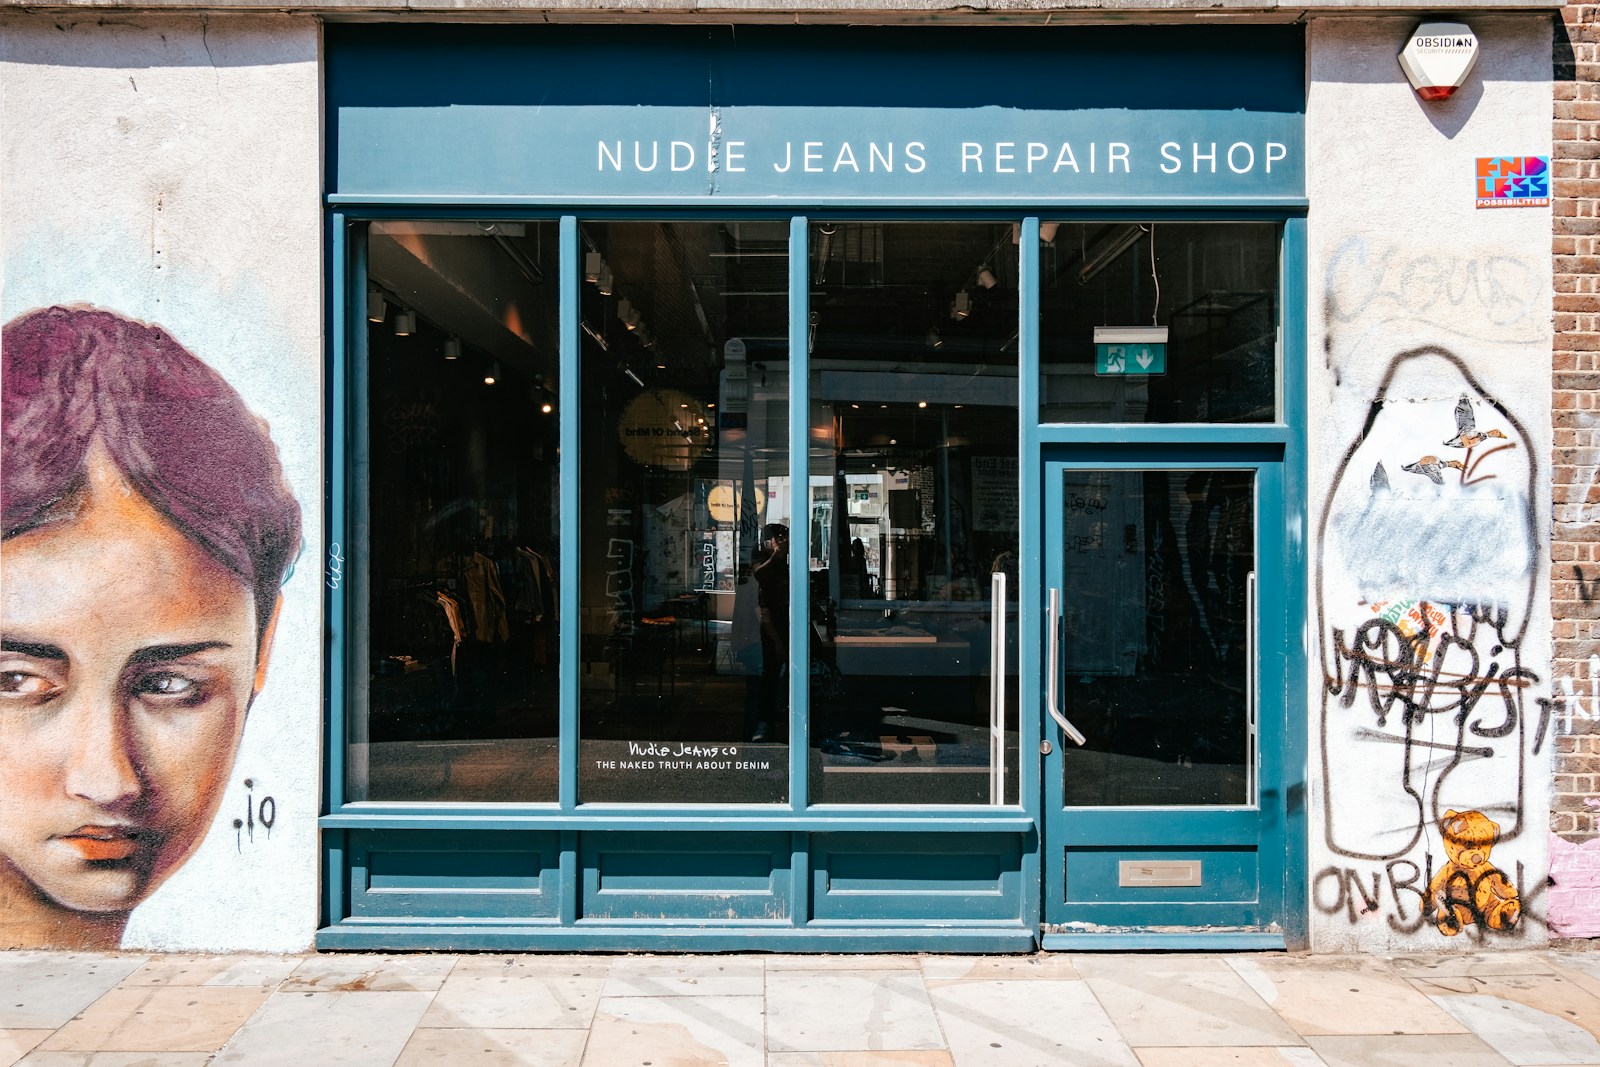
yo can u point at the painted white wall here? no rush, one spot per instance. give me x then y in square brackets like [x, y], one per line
[1400, 258]
[169, 168]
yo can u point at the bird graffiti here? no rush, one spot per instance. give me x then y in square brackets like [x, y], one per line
[1467, 434]
[1432, 468]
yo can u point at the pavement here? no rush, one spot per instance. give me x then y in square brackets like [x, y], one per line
[1153, 1010]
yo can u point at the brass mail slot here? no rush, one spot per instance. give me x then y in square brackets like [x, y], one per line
[1159, 872]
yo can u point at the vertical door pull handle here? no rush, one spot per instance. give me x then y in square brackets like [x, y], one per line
[997, 689]
[1053, 685]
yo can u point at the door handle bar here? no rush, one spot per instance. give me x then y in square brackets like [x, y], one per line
[997, 689]
[1053, 686]
[1251, 676]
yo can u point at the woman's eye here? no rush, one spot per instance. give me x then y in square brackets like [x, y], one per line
[168, 685]
[23, 684]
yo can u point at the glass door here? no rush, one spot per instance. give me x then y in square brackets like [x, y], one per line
[1163, 652]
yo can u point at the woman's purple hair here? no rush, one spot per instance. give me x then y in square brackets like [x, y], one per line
[179, 434]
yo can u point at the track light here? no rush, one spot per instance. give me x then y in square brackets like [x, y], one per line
[452, 348]
[986, 277]
[493, 375]
[962, 306]
[606, 281]
[405, 323]
[377, 306]
[527, 267]
[593, 265]
[1108, 250]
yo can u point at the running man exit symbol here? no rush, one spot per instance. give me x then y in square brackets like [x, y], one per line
[1142, 357]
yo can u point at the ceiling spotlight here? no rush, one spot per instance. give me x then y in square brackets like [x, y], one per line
[962, 306]
[607, 281]
[377, 306]
[452, 348]
[593, 266]
[922, 403]
[933, 339]
[546, 408]
[986, 277]
[405, 324]
[493, 375]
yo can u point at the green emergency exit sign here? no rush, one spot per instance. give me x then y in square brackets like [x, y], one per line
[1128, 350]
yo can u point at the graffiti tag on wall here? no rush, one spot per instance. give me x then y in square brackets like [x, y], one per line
[1430, 713]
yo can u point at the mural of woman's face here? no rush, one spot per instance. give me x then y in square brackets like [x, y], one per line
[127, 666]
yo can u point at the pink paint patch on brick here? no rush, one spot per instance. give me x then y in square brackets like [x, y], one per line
[1573, 901]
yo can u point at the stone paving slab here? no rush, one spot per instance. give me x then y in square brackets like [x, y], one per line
[1540, 1009]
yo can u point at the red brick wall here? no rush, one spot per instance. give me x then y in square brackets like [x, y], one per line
[1575, 551]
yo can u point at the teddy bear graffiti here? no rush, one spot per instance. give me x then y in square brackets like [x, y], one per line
[1469, 890]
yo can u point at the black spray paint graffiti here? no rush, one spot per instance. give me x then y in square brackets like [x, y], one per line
[263, 813]
[1441, 713]
[1402, 893]
[1425, 590]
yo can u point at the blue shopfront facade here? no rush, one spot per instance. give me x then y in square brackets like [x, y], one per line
[745, 543]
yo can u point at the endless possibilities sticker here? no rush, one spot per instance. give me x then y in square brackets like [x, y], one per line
[1513, 181]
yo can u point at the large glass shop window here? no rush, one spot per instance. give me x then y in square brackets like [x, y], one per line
[1158, 322]
[685, 512]
[462, 572]
[912, 504]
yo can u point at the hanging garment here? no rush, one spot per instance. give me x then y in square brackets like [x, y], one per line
[530, 596]
[488, 600]
[458, 628]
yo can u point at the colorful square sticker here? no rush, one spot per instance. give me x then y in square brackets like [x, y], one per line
[1514, 181]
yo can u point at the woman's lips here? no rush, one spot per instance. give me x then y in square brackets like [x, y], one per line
[102, 842]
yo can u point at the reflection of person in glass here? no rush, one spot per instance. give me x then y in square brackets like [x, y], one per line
[771, 573]
[856, 569]
[147, 533]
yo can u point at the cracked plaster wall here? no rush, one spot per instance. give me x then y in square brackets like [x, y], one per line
[168, 168]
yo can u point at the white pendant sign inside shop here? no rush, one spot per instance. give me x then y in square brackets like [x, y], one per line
[1438, 57]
